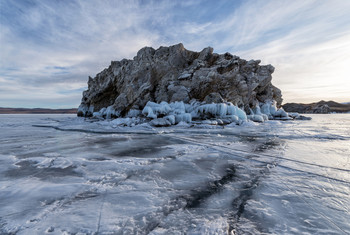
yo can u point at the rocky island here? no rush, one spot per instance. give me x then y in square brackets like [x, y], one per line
[172, 84]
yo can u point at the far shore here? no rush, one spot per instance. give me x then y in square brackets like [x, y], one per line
[37, 111]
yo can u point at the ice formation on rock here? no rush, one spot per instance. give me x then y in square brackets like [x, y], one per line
[165, 114]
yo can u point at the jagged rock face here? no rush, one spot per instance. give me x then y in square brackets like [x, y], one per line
[176, 74]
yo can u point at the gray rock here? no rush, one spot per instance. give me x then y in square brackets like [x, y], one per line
[176, 74]
[185, 76]
[323, 108]
[213, 98]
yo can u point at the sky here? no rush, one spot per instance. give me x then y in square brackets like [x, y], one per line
[49, 48]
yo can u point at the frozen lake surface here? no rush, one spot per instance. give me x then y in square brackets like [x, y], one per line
[62, 175]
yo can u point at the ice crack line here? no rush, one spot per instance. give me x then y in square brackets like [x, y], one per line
[190, 200]
[196, 198]
[267, 155]
[100, 212]
[97, 132]
[239, 203]
[221, 149]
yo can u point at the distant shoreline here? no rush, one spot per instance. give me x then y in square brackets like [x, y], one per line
[318, 107]
[37, 111]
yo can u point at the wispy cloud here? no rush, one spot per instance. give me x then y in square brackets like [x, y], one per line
[51, 47]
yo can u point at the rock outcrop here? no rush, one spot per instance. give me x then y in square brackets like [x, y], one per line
[173, 74]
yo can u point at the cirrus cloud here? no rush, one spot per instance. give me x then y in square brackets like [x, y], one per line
[49, 48]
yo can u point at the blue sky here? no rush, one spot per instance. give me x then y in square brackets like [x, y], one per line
[49, 48]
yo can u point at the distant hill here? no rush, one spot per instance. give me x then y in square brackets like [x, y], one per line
[36, 111]
[319, 107]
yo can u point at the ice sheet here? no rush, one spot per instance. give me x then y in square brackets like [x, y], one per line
[61, 174]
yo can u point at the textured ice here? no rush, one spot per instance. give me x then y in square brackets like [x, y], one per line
[256, 118]
[152, 109]
[178, 107]
[161, 122]
[108, 113]
[133, 113]
[241, 114]
[171, 119]
[184, 117]
[125, 121]
[183, 124]
[65, 175]
[187, 112]
[148, 111]
[233, 118]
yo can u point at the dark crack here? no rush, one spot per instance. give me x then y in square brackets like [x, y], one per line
[192, 200]
[246, 193]
[197, 197]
